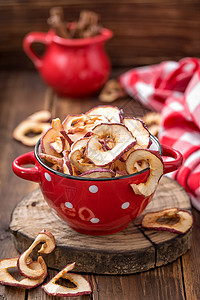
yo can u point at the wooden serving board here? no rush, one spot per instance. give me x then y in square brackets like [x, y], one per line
[132, 250]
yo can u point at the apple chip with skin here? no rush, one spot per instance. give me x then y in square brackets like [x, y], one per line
[111, 113]
[67, 167]
[115, 136]
[156, 166]
[139, 131]
[98, 173]
[172, 219]
[76, 127]
[57, 162]
[77, 156]
[54, 289]
[47, 247]
[119, 166]
[7, 279]
[53, 142]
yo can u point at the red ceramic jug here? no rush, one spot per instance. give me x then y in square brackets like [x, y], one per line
[72, 67]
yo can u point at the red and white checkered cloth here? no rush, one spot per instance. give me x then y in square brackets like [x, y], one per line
[173, 88]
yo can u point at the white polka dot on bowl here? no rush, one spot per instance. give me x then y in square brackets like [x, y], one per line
[94, 220]
[68, 204]
[47, 176]
[93, 189]
[125, 205]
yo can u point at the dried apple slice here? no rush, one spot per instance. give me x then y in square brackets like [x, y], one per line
[52, 159]
[112, 91]
[117, 136]
[47, 247]
[171, 219]
[139, 131]
[140, 165]
[73, 125]
[153, 121]
[57, 162]
[98, 173]
[61, 143]
[120, 173]
[67, 167]
[48, 241]
[7, 279]
[156, 170]
[49, 137]
[58, 145]
[111, 113]
[76, 127]
[54, 289]
[53, 141]
[77, 156]
[40, 116]
[26, 127]
[119, 166]
[79, 144]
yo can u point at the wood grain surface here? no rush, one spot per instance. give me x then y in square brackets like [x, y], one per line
[23, 93]
[129, 251]
[145, 32]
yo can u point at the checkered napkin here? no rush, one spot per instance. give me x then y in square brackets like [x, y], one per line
[173, 88]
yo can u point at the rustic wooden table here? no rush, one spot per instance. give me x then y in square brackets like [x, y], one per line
[21, 94]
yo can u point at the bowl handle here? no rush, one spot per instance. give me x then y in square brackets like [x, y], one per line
[31, 174]
[172, 165]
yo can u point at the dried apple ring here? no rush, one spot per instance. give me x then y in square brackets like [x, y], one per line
[156, 170]
[53, 142]
[111, 113]
[77, 156]
[47, 247]
[98, 173]
[67, 167]
[117, 136]
[7, 279]
[28, 126]
[54, 289]
[52, 159]
[141, 165]
[57, 162]
[139, 131]
[119, 166]
[112, 91]
[152, 121]
[78, 126]
[171, 219]
[40, 116]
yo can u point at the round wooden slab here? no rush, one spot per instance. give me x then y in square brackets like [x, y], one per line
[129, 251]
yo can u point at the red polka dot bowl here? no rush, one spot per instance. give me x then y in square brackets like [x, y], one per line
[92, 206]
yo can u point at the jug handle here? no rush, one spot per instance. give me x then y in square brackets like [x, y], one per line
[35, 37]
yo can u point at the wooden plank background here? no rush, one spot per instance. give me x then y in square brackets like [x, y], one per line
[145, 31]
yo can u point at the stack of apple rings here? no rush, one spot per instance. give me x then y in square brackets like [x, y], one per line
[102, 143]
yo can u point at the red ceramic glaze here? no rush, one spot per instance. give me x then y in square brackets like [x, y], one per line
[91, 206]
[72, 67]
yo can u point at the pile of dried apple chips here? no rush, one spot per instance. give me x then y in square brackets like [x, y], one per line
[102, 143]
